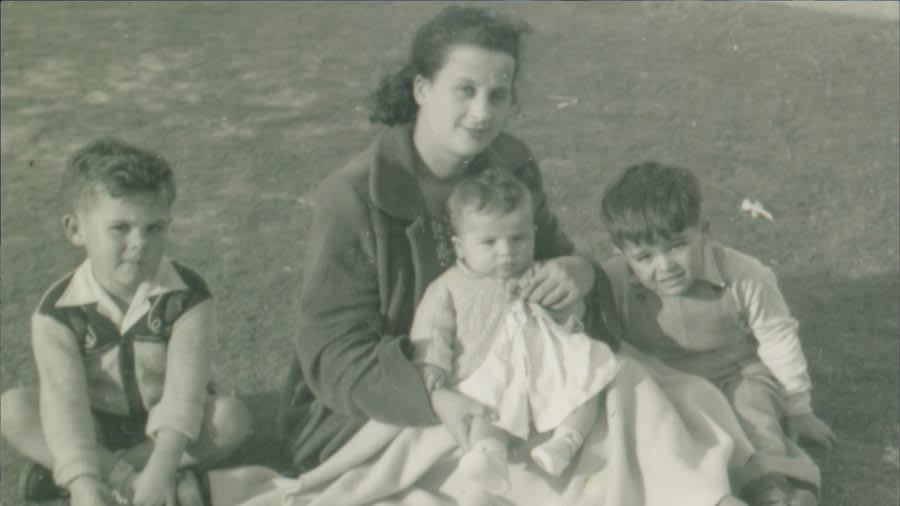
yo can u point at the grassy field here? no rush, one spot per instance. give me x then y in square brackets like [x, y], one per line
[255, 104]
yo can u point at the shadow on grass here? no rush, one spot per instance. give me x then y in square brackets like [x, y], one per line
[849, 330]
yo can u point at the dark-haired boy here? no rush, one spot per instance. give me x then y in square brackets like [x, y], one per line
[709, 310]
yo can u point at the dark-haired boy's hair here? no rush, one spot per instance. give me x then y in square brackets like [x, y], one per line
[650, 203]
[120, 168]
[492, 191]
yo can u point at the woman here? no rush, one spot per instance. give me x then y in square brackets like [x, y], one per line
[380, 236]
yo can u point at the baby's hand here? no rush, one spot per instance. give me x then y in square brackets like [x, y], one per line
[808, 426]
[434, 377]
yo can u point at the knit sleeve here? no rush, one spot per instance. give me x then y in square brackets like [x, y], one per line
[434, 327]
[64, 404]
[766, 314]
[188, 370]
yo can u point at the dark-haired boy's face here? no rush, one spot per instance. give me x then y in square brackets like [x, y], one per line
[124, 238]
[669, 267]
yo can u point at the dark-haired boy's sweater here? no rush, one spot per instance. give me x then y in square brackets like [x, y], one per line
[732, 327]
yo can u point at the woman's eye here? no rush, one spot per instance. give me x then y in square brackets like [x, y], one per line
[466, 91]
[500, 96]
[121, 229]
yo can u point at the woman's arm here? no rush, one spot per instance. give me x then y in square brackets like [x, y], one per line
[347, 360]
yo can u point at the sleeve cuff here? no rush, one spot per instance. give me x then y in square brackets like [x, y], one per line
[83, 463]
[185, 417]
[798, 403]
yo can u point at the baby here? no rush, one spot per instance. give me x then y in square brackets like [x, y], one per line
[475, 334]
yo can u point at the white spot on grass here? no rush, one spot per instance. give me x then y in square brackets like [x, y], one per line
[152, 63]
[891, 456]
[96, 97]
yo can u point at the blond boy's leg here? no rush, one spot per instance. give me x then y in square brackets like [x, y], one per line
[226, 425]
[20, 424]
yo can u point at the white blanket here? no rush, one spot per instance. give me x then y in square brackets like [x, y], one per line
[665, 438]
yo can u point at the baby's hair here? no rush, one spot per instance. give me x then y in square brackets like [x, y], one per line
[393, 101]
[492, 191]
[650, 203]
[121, 169]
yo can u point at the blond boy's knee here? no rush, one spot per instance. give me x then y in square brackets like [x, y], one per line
[231, 420]
[19, 412]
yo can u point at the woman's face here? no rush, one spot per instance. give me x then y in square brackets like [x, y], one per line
[464, 106]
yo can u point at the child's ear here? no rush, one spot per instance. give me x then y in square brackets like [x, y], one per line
[72, 229]
[420, 89]
[456, 246]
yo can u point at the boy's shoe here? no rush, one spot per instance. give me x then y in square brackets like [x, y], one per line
[769, 490]
[36, 484]
[555, 454]
[486, 465]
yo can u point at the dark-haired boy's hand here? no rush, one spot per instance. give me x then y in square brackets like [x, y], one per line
[809, 426]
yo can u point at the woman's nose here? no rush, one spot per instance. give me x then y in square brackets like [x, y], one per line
[480, 107]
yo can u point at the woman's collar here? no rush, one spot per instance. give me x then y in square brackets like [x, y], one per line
[392, 180]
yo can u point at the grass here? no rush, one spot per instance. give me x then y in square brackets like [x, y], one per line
[255, 103]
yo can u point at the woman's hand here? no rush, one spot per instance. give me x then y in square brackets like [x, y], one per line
[809, 426]
[434, 377]
[559, 282]
[456, 411]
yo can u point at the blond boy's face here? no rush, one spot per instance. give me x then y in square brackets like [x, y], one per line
[124, 237]
[494, 245]
[669, 268]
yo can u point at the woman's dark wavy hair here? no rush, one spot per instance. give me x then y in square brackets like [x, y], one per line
[650, 203]
[393, 101]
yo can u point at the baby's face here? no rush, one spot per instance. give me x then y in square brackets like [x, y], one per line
[500, 246]
[669, 268]
[124, 237]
